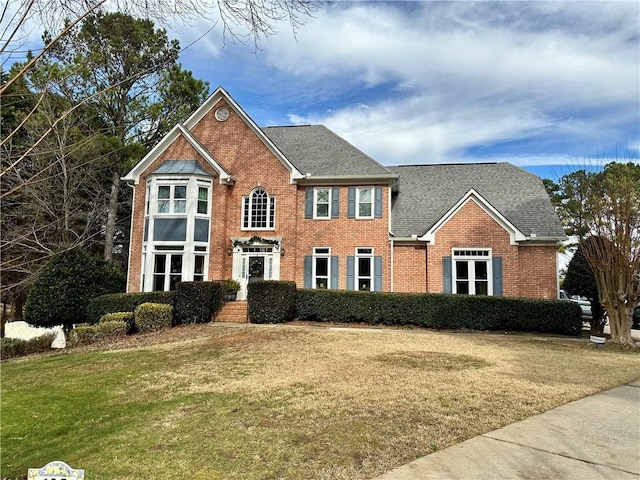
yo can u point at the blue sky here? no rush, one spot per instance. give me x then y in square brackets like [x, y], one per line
[547, 85]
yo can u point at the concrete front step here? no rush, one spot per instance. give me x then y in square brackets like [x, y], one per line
[233, 312]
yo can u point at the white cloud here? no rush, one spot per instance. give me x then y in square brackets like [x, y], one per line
[417, 82]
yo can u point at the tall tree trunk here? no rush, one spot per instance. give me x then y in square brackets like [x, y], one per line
[110, 229]
[620, 325]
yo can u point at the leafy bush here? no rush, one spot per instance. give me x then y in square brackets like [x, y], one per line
[124, 302]
[64, 286]
[126, 317]
[440, 311]
[153, 316]
[197, 302]
[14, 347]
[108, 330]
[271, 301]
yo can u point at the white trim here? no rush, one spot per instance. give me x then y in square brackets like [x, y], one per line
[471, 260]
[134, 174]
[315, 203]
[221, 94]
[356, 268]
[372, 202]
[515, 235]
[316, 255]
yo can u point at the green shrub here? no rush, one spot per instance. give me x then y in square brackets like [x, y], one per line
[440, 311]
[107, 330]
[14, 347]
[197, 302]
[124, 302]
[153, 316]
[126, 317]
[65, 285]
[271, 301]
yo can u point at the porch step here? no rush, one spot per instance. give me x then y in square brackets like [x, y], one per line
[233, 312]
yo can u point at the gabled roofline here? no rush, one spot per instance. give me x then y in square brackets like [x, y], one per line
[515, 235]
[177, 131]
[221, 94]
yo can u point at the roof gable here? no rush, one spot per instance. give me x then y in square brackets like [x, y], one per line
[515, 235]
[427, 193]
[220, 94]
[134, 174]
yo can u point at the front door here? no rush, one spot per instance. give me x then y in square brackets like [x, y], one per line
[256, 269]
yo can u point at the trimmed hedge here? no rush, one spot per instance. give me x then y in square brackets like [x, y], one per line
[127, 317]
[153, 316]
[271, 301]
[15, 347]
[124, 302]
[197, 302]
[440, 311]
[105, 330]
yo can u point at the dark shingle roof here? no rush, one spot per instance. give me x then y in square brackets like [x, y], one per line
[427, 192]
[317, 150]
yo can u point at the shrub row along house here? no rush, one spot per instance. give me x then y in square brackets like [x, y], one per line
[219, 197]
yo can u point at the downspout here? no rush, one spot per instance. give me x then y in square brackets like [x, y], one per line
[391, 283]
[133, 210]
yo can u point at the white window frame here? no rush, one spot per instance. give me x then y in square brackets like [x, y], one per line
[167, 275]
[248, 207]
[189, 249]
[364, 252]
[316, 216]
[471, 255]
[324, 253]
[172, 198]
[372, 202]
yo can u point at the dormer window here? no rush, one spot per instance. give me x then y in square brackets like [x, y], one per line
[258, 210]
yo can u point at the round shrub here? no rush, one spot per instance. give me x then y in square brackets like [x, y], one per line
[153, 316]
[64, 286]
[125, 317]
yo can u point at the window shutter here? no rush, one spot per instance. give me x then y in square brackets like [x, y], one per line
[351, 272]
[335, 202]
[377, 274]
[351, 210]
[447, 276]
[308, 259]
[334, 272]
[378, 202]
[308, 203]
[497, 276]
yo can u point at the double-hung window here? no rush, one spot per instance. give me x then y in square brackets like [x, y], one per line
[472, 271]
[364, 202]
[322, 203]
[258, 211]
[172, 199]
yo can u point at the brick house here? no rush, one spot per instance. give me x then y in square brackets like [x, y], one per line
[219, 197]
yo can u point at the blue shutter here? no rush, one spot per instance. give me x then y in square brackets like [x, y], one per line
[334, 272]
[447, 277]
[351, 205]
[377, 274]
[351, 272]
[308, 259]
[378, 202]
[308, 203]
[335, 202]
[497, 276]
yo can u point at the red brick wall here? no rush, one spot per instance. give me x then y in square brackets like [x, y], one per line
[538, 277]
[410, 268]
[343, 235]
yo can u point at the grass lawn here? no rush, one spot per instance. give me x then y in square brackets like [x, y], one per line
[273, 402]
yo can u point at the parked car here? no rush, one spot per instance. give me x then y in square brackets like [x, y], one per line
[636, 317]
[585, 305]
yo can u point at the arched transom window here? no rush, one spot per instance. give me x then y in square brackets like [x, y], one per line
[258, 210]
